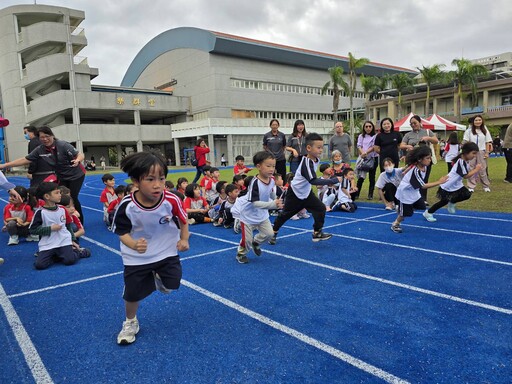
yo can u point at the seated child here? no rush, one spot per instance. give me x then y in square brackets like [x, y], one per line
[225, 215]
[215, 206]
[388, 182]
[120, 191]
[107, 195]
[52, 223]
[240, 168]
[76, 226]
[210, 186]
[343, 200]
[17, 217]
[326, 174]
[195, 205]
[206, 177]
[239, 181]
[182, 185]
[278, 191]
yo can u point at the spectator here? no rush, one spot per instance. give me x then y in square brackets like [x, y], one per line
[477, 133]
[366, 148]
[507, 150]
[40, 169]
[387, 143]
[275, 143]
[296, 145]
[342, 142]
[200, 151]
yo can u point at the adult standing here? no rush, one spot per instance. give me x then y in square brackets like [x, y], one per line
[366, 149]
[40, 169]
[200, 151]
[419, 137]
[296, 144]
[103, 165]
[477, 133]
[65, 160]
[275, 143]
[387, 143]
[507, 150]
[341, 141]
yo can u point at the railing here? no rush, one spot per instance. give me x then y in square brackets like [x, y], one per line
[499, 108]
[447, 113]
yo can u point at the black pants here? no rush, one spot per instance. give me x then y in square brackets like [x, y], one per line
[389, 192]
[281, 168]
[508, 158]
[199, 173]
[461, 195]
[292, 206]
[75, 186]
[371, 176]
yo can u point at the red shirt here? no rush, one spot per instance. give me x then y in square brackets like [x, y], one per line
[112, 206]
[108, 195]
[199, 203]
[237, 169]
[201, 155]
[24, 212]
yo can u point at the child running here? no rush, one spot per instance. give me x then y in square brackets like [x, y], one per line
[408, 192]
[453, 190]
[252, 208]
[300, 195]
[152, 226]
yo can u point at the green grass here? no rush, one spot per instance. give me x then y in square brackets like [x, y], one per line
[499, 200]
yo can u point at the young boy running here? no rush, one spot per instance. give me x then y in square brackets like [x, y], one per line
[152, 226]
[300, 195]
[252, 208]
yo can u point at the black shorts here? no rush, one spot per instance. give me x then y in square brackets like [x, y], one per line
[406, 210]
[139, 281]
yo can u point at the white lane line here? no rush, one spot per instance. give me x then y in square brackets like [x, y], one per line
[380, 280]
[345, 357]
[32, 358]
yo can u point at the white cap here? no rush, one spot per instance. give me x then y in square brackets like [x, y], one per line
[4, 183]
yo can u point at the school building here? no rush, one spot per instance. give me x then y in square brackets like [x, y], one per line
[184, 83]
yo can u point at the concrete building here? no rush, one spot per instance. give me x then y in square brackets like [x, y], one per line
[236, 85]
[44, 81]
[494, 97]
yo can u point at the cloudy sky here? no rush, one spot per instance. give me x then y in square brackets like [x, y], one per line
[406, 33]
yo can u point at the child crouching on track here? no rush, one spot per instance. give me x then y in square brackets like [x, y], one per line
[52, 223]
[408, 192]
[252, 208]
[152, 226]
[453, 190]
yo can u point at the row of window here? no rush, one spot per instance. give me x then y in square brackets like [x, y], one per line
[243, 114]
[280, 87]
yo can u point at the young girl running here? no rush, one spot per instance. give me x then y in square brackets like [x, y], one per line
[152, 226]
[453, 191]
[408, 192]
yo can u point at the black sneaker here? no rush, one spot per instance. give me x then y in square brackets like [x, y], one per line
[320, 236]
[370, 197]
[242, 259]
[256, 248]
[396, 228]
[273, 239]
[84, 253]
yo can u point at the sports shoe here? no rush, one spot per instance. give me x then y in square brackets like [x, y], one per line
[389, 208]
[228, 226]
[216, 224]
[191, 221]
[429, 217]
[451, 208]
[396, 228]
[487, 189]
[159, 285]
[471, 190]
[237, 227]
[303, 215]
[84, 253]
[295, 217]
[320, 236]
[273, 239]
[32, 238]
[256, 248]
[370, 197]
[127, 334]
[427, 204]
[242, 259]
[507, 181]
[13, 240]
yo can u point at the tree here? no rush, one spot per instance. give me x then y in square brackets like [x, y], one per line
[431, 75]
[402, 82]
[370, 85]
[338, 84]
[353, 64]
[467, 74]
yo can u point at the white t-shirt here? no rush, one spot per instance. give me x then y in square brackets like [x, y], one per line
[459, 170]
[342, 197]
[452, 152]
[394, 178]
[246, 207]
[479, 139]
[408, 191]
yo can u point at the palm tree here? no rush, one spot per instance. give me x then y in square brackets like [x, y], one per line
[402, 82]
[353, 64]
[430, 75]
[370, 86]
[338, 84]
[467, 73]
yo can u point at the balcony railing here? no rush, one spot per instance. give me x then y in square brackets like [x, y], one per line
[499, 108]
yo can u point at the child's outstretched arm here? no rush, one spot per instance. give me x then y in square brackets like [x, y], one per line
[442, 180]
[475, 170]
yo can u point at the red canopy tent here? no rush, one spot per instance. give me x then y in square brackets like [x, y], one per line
[441, 124]
[403, 125]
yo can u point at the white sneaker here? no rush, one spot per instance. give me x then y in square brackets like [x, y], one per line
[13, 240]
[159, 285]
[127, 334]
[32, 238]
[304, 215]
[191, 221]
[471, 190]
[295, 217]
[430, 217]
[487, 189]
[451, 208]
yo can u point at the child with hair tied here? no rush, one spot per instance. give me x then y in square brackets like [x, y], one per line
[18, 215]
